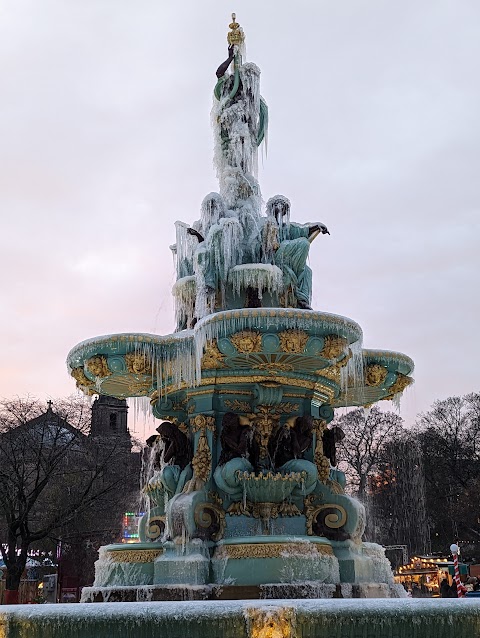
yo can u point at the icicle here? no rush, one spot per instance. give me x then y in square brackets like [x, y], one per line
[262, 277]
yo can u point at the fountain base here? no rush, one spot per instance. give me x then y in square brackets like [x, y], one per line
[415, 618]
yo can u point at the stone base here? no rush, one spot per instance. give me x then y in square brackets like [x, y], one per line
[274, 591]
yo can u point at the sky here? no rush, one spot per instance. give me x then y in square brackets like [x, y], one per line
[106, 141]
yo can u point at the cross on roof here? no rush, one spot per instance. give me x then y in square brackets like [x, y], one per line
[49, 403]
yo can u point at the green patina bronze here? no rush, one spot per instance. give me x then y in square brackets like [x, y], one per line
[248, 493]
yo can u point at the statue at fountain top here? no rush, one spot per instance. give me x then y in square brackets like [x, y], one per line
[240, 117]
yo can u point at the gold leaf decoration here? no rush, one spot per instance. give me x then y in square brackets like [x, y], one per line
[331, 372]
[247, 341]
[237, 406]
[270, 550]
[333, 346]
[375, 374]
[98, 366]
[202, 461]
[202, 422]
[212, 357]
[293, 340]
[321, 461]
[79, 375]
[135, 556]
[138, 363]
[400, 384]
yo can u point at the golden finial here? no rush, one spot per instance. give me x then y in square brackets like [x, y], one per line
[236, 35]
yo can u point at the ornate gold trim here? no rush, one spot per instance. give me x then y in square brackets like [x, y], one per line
[204, 519]
[375, 374]
[98, 366]
[271, 550]
[332, 521]
[293, 340]
[138, 363]
[321, 461]
[333, 346]
[399, 386]
[238, 406]
[135, 555]
[247, 341]
[212, 357]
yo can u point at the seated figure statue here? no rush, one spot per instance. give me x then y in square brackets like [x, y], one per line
[173, 464]
[330, 438]
[236, 440]
[286, 245]
[287, 447]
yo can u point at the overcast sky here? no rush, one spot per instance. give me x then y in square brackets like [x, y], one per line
[105, 141]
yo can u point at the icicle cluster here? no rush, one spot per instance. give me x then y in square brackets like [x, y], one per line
[260, 277]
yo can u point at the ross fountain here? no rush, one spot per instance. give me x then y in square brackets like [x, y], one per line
[245, 500]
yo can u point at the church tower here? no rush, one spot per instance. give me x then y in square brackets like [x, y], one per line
[109, 417]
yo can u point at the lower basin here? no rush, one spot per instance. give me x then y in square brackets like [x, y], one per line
[392, 618]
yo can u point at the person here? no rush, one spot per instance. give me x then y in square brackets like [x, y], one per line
[444, 588]
[452, 591]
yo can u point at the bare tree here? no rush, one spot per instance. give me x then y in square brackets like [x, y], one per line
[366, 432]
[449, 434]
[50, 472]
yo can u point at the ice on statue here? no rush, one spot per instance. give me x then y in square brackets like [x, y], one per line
[243, 493]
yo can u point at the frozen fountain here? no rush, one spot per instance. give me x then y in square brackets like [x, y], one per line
[245, 497]
[245, 500]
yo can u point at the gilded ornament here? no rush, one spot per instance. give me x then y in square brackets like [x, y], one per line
[138, 363]
[293, 341]
[212, 357]
[210, 517]
[333, 520]
[263, 421]
[139, 387]
[202, 460]
[247, 341]
[333, 346]
[98, 366]
[273, 366]
[237, 406]
[135, 556]
[235, 35]
[335, 487]
[235, 380]
[331, 372]
[155, 527]
[271, 550]
[375, 375]
[79, 375]
[399, 386]
[202, 422]
[321, 461]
